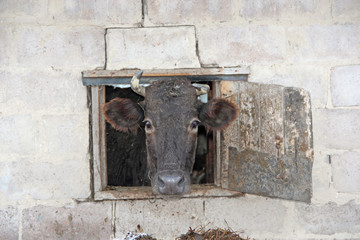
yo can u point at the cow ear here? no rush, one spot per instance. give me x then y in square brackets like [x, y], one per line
[123, 114]
[217, 114]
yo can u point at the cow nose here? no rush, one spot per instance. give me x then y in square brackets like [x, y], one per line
[171, 183]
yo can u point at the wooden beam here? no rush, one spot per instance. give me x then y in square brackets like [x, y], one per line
[112, 77]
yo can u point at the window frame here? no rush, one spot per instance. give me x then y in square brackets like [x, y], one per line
[96, 81]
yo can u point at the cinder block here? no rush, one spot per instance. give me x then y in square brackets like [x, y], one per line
[151, 216]
[346, 9]
[84, 221]
[100, 12]
[346, 171]
[6, 39]
[22, 10]
[147, 48]
[323, 42]
[53, 92]
[19, 134]
[60, 179]
[231, 46]
[280, 10]
[65, 134]
[190, 12]
[248, 214]
[60, 47]
[9, 223]
[313, 79]
[329, 219]
[345, 86]
[337, 129]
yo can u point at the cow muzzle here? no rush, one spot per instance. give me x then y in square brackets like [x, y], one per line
[171, 183]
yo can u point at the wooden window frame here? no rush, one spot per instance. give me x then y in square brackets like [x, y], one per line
[96, 81]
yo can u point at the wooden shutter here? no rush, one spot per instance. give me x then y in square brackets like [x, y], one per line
[268, 150]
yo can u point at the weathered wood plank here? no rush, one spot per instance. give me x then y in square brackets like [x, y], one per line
[297, 122]
[249, 116]
[266, 175]
[111, 77]
[98, 138]
[229, 136]
[167, 72]
[271, 129]
[271, 170]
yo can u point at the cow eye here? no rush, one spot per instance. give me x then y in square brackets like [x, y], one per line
[148, 125]
[194, 124]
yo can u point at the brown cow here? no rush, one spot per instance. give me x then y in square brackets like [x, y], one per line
[171, 113]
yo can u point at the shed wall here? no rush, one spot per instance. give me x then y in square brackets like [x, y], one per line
[44, 114]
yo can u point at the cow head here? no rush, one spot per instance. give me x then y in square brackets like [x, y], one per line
[171, 113]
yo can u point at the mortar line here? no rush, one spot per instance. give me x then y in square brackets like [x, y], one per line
[21, 223]
[142, 23]
[113, 220]
[106, 32]
[197, 52]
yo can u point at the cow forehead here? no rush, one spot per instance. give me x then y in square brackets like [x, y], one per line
[171, 98]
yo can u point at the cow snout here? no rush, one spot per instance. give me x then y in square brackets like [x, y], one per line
[171, 183]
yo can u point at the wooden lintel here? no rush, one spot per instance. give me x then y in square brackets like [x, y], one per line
[112, 77]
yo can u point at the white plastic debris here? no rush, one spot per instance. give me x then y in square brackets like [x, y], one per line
[132, 236]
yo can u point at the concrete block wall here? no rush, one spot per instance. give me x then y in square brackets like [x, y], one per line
[44, 133]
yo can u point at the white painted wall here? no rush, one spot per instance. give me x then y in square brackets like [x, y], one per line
[44, 136]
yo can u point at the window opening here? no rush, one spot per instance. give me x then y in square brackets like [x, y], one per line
[126, 152]
[101, 89]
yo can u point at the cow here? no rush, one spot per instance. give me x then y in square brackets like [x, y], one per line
[171, 113]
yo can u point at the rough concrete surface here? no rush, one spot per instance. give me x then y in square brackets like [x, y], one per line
[44, 115]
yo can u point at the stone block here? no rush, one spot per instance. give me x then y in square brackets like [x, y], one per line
[323, 42]
[147, 48]
[65, 134]
[103, 12]
[337, 128]
[190, 12]
[37, 91]
[348, 9]
[329, 219]
[345, 86]
[84, 221]
[19, 134]
[53, 47]
[346, 171]
[241, 45]
[9, 223]
[283, 10]
[60, 179]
